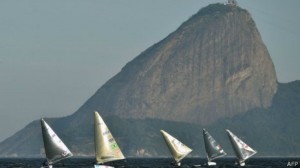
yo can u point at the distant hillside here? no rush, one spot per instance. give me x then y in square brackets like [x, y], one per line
[273, 131]
[214, 71]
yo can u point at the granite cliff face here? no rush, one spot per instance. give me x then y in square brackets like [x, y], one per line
[212, 71]
[214, 65]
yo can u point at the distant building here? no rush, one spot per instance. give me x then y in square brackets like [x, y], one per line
[232, 3]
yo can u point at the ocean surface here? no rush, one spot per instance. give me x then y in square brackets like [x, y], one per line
[152, 163]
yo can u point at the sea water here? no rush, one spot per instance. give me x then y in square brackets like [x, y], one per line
[152, 163]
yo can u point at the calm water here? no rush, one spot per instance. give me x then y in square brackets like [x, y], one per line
[153, 163]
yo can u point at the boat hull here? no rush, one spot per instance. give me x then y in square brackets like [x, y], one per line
[50, 166]
[102, 166]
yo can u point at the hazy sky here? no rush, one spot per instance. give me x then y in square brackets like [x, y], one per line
[55, 54]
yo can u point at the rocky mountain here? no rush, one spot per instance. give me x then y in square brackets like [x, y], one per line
[213, 66]
[214, 71]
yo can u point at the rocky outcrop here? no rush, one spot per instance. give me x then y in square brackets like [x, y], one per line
[214, 65]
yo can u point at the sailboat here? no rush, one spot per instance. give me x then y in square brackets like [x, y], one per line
[177, 149]
[106, 148]
[55, 149]
[241, 149]
[213, 149]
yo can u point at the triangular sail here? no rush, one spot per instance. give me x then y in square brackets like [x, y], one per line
[55, 149]
[106, 148]
[241, 149]
[213, 149]
[177, 149]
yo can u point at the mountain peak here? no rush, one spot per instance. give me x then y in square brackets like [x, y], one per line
[214, 65]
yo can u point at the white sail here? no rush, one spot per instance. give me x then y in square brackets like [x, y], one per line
[241, 149]
[177, 149]
[213, 149]
[106, 148]
[55, 149]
